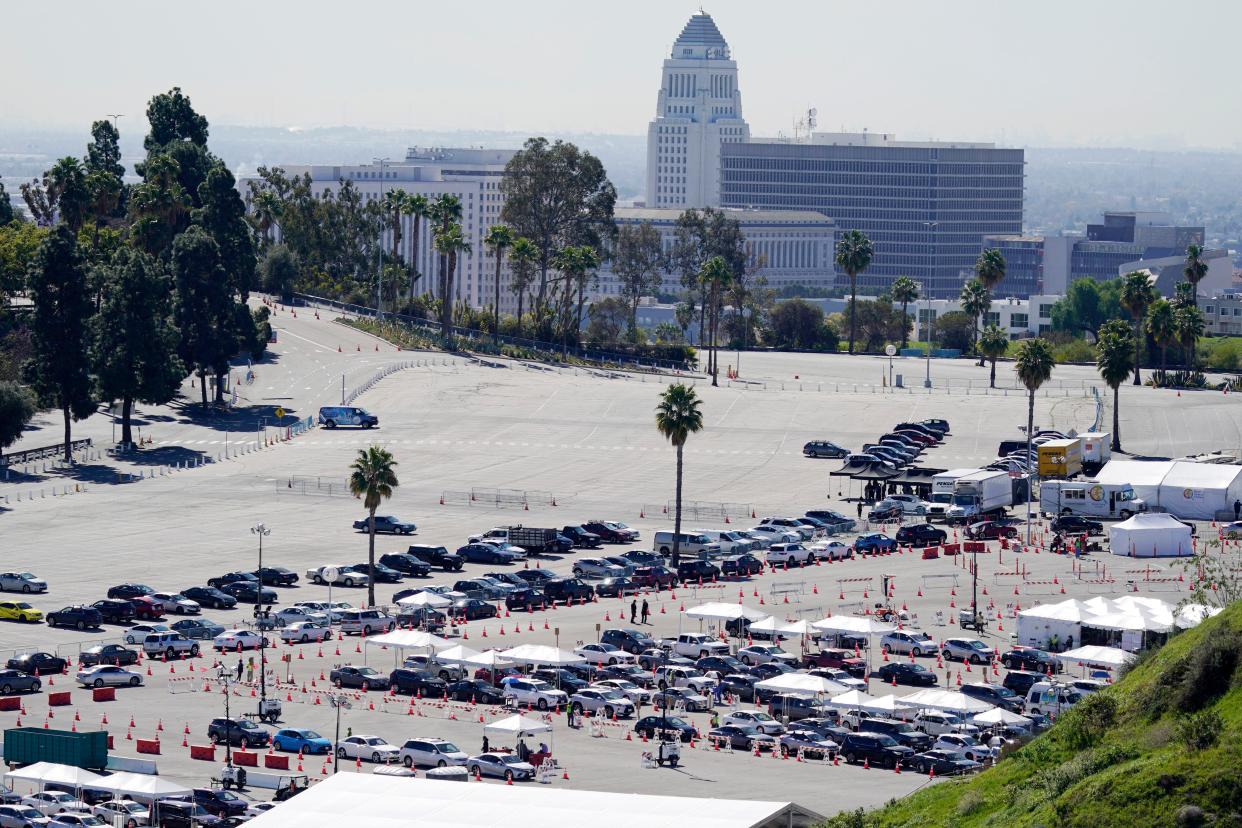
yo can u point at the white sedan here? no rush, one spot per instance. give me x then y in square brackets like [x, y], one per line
[176, 603]
[909, 504]
[604, 654]
[238, 640]
[763, 653]
[631, 690]
[304, 631]
[292, 615]
[49, 803]
[130, 811]
[774, 534]
[831, 550]
[964, 746]
[102, 675]
[139, 632]
[755, 718]
[370, 748]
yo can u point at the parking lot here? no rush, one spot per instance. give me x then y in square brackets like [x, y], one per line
[584, 441]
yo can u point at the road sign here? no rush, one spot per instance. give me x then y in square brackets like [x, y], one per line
[331, 573]
[890, 350]
[280, 412]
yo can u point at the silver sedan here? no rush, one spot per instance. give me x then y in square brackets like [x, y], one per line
[22, 582]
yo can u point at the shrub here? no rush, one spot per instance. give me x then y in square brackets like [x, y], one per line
[1208, 671]
[1190, 816]
[970, 802]
[1199, 731]
[1088, 721]
[1076, 350]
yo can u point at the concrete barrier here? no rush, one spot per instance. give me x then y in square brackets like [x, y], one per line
[147, 746]
[102, 694]
[204, 752]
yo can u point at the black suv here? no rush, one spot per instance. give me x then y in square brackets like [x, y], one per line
[631, 640]
[406, 564]
[276, 576]
[696, 569]
[114, 611]
[210, 597]
[565, 589]
[921, 534]
[904, 732]
[581, 537]
[220, 803]
[994, 694]
[1075, 525]
[741, 565]
[1021, 681]
[180, 813]
[740, 685]
[242, 732]
[1035, 660]
[417, 682]
[78, 617]
[876, 749]
[437, 556]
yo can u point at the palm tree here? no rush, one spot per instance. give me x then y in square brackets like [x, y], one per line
[418, 208]
[574, 263]
[524, 262]
[853, 256]
[990, 270]
[445, 210]
[1195, 270]
[905, 290]
[715, 277]
[1034, 367]
[677, 417]
[498, 240]
[992, 344]
[450, 244]
[975, 303]
[372, 478]
[266, 207]
[1161, 327]
[1137, 295]
[1188, 323]
[1115, 360]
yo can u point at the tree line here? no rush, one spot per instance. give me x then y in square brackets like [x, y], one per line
[132, 287]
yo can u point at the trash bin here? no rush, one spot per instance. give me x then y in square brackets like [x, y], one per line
[897, 382]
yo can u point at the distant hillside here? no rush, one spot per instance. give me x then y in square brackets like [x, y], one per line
[1163, 747]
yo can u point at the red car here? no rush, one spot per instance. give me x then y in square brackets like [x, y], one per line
[836, 659]
[990, 530]
[659, 577]
[147, 608]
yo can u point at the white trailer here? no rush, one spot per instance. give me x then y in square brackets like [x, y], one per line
[983, 492]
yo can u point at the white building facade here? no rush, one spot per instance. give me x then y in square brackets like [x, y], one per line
[1019, 318]
[473, 175]
[788, 247]
[699, 107]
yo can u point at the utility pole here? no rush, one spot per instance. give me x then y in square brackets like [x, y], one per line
[379, 277]
[262, 531]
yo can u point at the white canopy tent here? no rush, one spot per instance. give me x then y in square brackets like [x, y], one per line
[1195, 491]
[725, 612]
[1144, 476]
[425, 599]
[1096, 656]
[770, 624]
[44, 773]
[518, 726]
[853, 624]
[803, 684]
[1062, 620]
[800, 627]
[487, 658]
[1000, 716]
[1151, 535]
[459, 654]
[143, 786]
[409, 640]
[947, 700]
[541, 655]
[1192, 615]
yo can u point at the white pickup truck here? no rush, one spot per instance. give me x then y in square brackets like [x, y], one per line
[698, 645]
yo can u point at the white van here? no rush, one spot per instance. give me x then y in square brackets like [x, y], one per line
[1051, 698]
[690, 544]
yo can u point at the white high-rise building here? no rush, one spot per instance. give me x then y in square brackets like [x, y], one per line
[699, 108]
[473, 175]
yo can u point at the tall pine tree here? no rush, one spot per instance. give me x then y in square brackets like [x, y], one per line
[58, 372]
[203, 304]
[134, 344]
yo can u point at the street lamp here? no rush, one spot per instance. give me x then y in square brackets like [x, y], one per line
[262, 531]
[224, 676]
[338, 701]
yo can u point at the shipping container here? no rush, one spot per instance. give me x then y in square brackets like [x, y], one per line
[27, 745]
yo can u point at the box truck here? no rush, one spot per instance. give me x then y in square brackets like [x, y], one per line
[1089, 499]
[942, 492]
[1097, 449]
[1060, 458]
[980, 493]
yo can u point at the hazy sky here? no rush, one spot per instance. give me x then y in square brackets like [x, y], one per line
[1145, 73]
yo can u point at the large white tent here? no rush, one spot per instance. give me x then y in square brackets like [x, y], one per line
[388, 802]
[1097, 656]
[143, 786]
[1132, 615]
[1000, 716]
[725, 612]
[541, 655]
[803, 684]
[1197, 491]
[45, 773]
[518, 726]
[409, 640]
[853, 624]
[1151, 535]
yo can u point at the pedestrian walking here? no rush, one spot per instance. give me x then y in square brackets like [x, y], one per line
[633, 609]
[486, 746]
[646, 611]
[1237, 509]
[239, 668]
[860, 507]
[569, 716]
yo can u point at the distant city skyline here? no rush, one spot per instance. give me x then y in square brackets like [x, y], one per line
[1061, 74]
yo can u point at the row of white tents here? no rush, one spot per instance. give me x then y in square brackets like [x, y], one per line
[1194, 491]
[1131, 616]
[140, 786]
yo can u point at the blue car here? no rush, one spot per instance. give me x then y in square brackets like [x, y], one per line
[300, 740]
[874, 542]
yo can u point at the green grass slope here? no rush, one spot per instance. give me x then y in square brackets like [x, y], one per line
[1163, 747]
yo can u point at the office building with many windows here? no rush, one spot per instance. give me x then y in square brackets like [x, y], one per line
[787, 247]
[698, 109]
[473, 175]
[926, 206]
